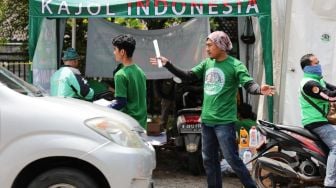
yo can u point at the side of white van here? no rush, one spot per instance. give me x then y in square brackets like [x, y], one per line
[56, 142]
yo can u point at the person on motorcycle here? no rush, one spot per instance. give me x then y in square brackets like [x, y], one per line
[222, 74]
[314, 101]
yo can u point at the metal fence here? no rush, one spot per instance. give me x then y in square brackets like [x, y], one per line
[19, 68]
[14, 58]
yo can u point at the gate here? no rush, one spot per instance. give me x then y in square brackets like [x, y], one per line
[15, 58]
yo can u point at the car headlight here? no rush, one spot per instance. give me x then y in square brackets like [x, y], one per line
[115, 131]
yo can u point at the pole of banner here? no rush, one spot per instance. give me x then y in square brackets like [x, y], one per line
[73, 34]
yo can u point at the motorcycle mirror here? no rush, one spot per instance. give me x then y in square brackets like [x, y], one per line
[177, 80]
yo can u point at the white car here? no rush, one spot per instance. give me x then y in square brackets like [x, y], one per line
[49, 142]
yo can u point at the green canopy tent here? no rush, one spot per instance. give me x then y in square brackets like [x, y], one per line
[54, 9]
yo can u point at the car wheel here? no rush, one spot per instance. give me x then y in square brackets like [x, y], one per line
[63, 178]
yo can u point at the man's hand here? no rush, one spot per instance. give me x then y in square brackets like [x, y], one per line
[267, 90]
[153, 60]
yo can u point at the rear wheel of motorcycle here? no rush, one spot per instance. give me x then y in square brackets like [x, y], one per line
[266, 179]
[195, 163]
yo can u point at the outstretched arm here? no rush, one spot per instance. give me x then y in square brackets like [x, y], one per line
[267, 90]
[253, 88]
[182, 74]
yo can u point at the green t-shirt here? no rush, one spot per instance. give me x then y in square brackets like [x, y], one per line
[221, 82]
[130, 82]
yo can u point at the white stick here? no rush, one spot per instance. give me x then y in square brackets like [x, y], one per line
[157, 52]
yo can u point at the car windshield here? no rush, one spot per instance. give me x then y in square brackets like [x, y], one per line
[17, 84]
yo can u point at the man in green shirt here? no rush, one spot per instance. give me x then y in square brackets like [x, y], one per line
[222, 75]
[129, 80]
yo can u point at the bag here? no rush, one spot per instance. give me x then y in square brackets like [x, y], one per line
[248, 35]
[332, 113]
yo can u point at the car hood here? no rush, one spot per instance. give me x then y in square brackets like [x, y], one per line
[22, 115]
[87, 110]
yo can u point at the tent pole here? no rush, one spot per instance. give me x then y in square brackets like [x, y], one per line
[73, 36]
[58, 43]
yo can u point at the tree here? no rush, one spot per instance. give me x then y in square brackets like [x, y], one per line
[13, 21]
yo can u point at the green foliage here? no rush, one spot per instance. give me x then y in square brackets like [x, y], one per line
[161, 23]
[13, 20]
[214, 23]
[131, 23]
[2, 11]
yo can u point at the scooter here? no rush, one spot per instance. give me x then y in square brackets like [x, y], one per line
[189, 131]
[291, 156]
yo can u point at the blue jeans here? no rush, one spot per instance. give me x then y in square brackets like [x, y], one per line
[328, 135]
[223, 137]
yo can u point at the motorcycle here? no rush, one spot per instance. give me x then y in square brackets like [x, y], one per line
[189, 129]
[291, 156]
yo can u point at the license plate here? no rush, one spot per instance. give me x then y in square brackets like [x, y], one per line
[191, 127]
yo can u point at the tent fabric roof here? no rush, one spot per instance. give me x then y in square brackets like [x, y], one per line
[147, 8]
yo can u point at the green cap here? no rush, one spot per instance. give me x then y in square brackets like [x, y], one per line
[70, 54]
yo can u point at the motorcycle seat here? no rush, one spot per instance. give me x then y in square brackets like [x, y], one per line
[299, 130]
[189, 111]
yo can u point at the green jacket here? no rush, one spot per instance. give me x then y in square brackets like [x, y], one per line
[68, 82]
[310, 114]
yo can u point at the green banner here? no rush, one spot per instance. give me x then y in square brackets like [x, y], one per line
[148, 8]
[265, 23]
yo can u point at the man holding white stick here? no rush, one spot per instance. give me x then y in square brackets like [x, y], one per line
[222, 75]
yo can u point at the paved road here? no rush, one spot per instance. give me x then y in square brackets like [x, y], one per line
[172, 172]
[183, 180]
